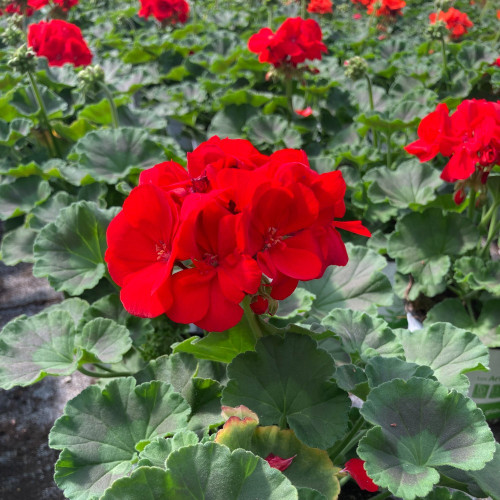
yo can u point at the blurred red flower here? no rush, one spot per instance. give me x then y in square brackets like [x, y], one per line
[320, 7]
[165, 11]
[60, 42]
[456, 22]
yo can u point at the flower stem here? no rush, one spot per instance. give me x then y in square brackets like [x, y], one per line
[52, 143]
[492, 232]
[381, 496]
[104, 375]
[445, 62]
[372, 107]
[112, 105]
[389, 151]
[289, 94]
[472, 203]
[251, 318]
[303, 8]
[337, 450]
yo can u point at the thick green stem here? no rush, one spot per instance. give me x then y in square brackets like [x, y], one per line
[487, 216]
[289, 94]
[250, 316]
[472, 203]
[303, 5]
[372, 107]
[104, 375]
[112, 105]
[445, 62]
[53, 145]
[338, 449]
[270, 16]
[389, 152]
[492, 232]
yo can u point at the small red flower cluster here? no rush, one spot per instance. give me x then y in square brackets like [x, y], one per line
[165, 11]
[456, 22]
[470, 137]
[17, 7]
[295, 41]
[192, 244]
[382, 8]
[60, 42]
[64, 5]
[320, 7]
[356, 468]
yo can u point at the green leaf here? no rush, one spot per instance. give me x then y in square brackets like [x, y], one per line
[445, 494]
[478, 274]
[33, 347]
[420, 426]
[293, 308]
[272, 130]
[102, 427]
[360, 285]
[310, 468]
[229, 121]
[280, 390]
[488, 478]
[25, 102]
[433, 238]
[11, 132]
[17, 246]
[449, 351]
[70, 251]
[157, 451]
[486, 326]
[412, 184]
[220, 346]
[362, 335]
[105, 340]
[111, 154]
[48, 211]
[206, 471]
[22, 195]
[76, 307]
[379, 370]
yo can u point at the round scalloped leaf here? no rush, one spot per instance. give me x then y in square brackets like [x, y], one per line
[101, 429]
[111, 154]
[157, 451]
[36, 346]
[20, 196]
[17, 246]
[412, 184]
[420, 426]
[48, 211]
[206, 471]
[478, 274]
[379, 370]
[488, 478]
[75, 306]
[70, 250]
[310, 467]
[486, 326]
[359, 285]
[105, 340]
[449, 351]
[362, 335]
[282, 390]
[442, 493]
[432, 237]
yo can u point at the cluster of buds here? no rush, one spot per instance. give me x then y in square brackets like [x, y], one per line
[437, 31]
[355, 68]
[13, 33]
[23, 60]
[90, 79]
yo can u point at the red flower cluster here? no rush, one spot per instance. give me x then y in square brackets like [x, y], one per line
[356, 468]
[60, 42]
[295, 41]
[470, 137]
[386, 8]
[192, 244]
[320, 7]
[165, 11]
[18, 7]
[456, 22]
[64, 5]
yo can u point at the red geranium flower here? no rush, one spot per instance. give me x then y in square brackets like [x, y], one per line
[456, 22]
[140, 254]
[365, 3]
[60, 42]
[470, 138]
[295, 41]
[386, 8]
[19, 7]
[355, 467]
[320, 7]
[304, 112]
[165, 11]
[64, 5]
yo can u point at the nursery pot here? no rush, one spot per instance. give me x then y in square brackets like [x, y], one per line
[485, 387]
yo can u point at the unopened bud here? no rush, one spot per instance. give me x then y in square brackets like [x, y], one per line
[23, 60]
[90, 78]
[356, 68]
[437, 31]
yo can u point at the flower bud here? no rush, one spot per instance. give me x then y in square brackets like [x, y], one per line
[356, 68]
[459, 197]
[259, 305]
[437, 31]
[23, 60]
[90, 78]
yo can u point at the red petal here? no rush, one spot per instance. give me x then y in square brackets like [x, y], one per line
[279, 463]
[356, 469]
[353, 226]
